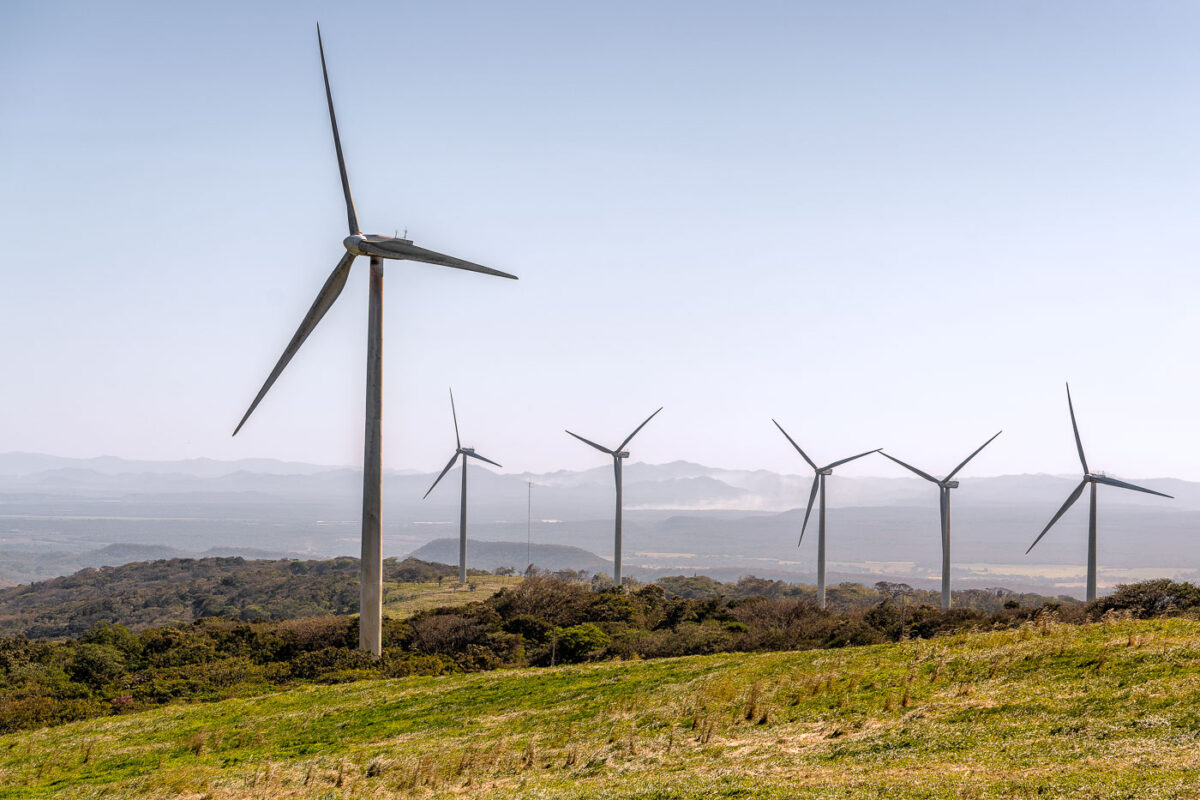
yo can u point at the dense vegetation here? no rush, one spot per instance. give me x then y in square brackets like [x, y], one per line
[157, 593]
[540, 621]
[1045, 709]
[845, 596]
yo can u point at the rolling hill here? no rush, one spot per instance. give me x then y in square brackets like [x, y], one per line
[181, 590]
[1105, 710]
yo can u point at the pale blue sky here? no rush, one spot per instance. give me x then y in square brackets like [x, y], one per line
[887, 224]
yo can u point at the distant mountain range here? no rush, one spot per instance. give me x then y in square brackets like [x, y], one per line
[678, 485]
[680, 516]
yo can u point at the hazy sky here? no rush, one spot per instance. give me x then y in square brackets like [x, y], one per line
[898, 224]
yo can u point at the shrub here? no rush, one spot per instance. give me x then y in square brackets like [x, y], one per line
[331, 659]
[580, 642]
[95, 665]
[1149, 599]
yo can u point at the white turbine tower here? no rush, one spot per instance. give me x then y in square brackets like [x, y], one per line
[377, 248]
[465, 452]
[818, 485]
[619, 454]
[944, 486]
[1092, 478]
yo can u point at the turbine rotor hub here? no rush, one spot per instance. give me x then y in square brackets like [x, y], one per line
[354, 243]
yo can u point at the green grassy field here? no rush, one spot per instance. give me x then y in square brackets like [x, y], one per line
[1048, 710]
[402, 600]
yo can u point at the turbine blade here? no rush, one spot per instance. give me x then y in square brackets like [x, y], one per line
[449, 464]
[1070, 501]
[401, 250]
[798, 450]
[325, 298]
[811, 497]
[629, 438]
[851, 458]
[910, 467]
[481, 458]
[968, 458]
[1124, 485]
[457, 441]
[1074, 427]
[351, 217]
[593, 444]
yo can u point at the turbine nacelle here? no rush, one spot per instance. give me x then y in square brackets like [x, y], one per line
[396, 248]
[949, 484]
[621, 454]
[360, 244]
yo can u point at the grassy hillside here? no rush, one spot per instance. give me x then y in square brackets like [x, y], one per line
[402, 599]
[1103, 710]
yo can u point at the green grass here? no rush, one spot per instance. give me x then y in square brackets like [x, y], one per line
[1107, 710]
[402, 600]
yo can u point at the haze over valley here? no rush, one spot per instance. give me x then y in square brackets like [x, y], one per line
[58, 515]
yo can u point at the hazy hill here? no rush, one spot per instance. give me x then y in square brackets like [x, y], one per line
[155, 593]
[490, 555]
[26, 565]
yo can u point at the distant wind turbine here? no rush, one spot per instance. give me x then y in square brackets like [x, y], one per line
[465, 452]
[617, 455]
[944, 487]
[1093, 478]
[818, 485]
[370, 633]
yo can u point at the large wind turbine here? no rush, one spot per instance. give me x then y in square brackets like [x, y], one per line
[617, 455]
[944, 487]
[377, 248]
[1093, 478]
[818, 484]
[465, 452]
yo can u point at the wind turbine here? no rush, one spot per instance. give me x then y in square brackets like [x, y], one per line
[1093, 478]
[818, 484]
[465, 452]
[617, 455]
[944, 487]
[377, 247]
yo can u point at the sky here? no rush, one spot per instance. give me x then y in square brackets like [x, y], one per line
[886, 224]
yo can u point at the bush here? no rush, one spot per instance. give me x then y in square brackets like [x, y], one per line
[331, 659]
[397, 663]
[95, 665]
[580, 642]
[1149, 599]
